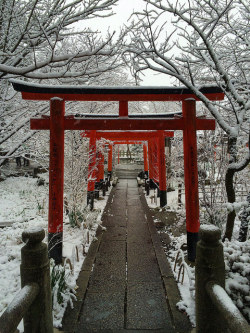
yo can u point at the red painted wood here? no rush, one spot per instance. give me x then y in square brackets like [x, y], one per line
[100, 166]
[110, 157]
[56, 168]
[123, 109]
[123, 124]
[162, 162]
[145, 157]
[92, 162]
[150, 159]
[205, 124]
[155, 161]
[127, 135]
[190, 167]
[118, 156]
[126, 142]
[118, 97]
[113, 124]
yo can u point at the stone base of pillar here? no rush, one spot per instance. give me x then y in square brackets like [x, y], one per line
[163, 198]
[90, 199]
[192, 239]
[97, 188]
[109, 177]
[152, 184]
[147, 187]
[55, 243]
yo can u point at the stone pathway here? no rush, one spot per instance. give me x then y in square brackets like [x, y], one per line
[131, 286]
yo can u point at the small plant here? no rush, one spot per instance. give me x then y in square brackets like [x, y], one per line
[58, 283]
[39, 207]
[75, 218]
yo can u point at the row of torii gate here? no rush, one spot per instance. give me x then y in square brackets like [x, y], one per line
[153, 155]
[122, 127]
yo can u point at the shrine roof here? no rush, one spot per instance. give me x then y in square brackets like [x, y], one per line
[34, 91]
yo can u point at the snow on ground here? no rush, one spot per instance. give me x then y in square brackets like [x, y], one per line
[237, 263]
[172, 196]
[25, 204]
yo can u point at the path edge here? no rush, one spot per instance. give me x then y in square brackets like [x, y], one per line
[180, 320]
[71, 315]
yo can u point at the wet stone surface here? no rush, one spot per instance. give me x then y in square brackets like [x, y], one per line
[125, 291]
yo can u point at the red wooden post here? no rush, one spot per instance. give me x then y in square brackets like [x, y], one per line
[155, 162]
[123, 108]
[92, 170]
[118, 155]
[101, 167]
[110, 157]
[145, 158]
[162, 169]
[56, 173]
[191, 176]
[150, 160]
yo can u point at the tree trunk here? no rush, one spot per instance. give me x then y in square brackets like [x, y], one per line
[231, 199]
[230, 187]
[244, 217]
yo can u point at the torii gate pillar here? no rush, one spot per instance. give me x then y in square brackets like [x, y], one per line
[150, 160]
[191, 176]
[110, 157]
[162, 170]
[145, 158]
[100, 167]
[92, 170]
[56, 177]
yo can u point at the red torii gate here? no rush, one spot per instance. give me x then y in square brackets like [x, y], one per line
[57, 123]
[128, 137]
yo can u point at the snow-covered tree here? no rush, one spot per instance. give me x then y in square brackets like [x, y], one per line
[39, 40]
[201, 42]
[32, 32]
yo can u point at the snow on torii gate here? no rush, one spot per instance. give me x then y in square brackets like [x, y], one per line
[130, 137]
[57, 122]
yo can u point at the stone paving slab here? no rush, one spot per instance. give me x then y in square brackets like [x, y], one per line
[108, 286]
[138, 235]
[135, 211]
[107, 269]
[102, 311]
[133, 202]
[112, 220]
[115, 233]
[147, 307]
[116, 248]
[145, 272]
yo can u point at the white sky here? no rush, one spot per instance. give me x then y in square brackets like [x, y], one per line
[123, 11]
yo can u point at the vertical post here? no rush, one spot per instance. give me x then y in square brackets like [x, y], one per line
[209, 266]
[123, 109]
[56, 174]
[101, 173]
[118, 155]
[91, 169]
[191, 176]
[35, 267]
[145, 158]
[179, 195]
[110, 157]
[101, 167]
[150, 160]
[155, 163]
[162, 169]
